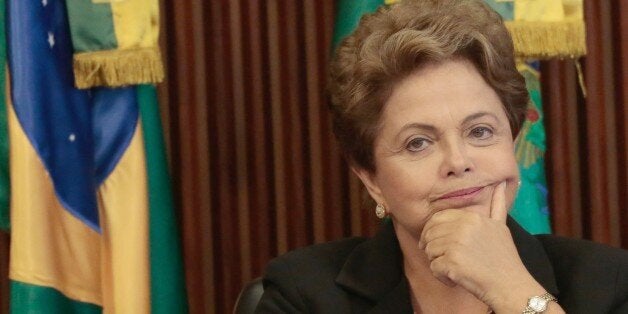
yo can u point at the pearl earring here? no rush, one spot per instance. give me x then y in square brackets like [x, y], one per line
[380, 211]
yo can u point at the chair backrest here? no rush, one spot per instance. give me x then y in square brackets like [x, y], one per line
[249, 297]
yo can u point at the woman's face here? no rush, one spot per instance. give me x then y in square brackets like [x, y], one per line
[444, 143]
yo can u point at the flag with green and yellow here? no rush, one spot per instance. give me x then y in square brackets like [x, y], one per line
[92, 219]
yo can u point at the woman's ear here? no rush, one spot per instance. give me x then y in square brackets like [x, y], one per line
[370, 182]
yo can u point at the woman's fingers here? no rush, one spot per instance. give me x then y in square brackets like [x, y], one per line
[437, 248]
[460, 245]
[474, 251]
[441, 270]
[498, 203]
[449, 222]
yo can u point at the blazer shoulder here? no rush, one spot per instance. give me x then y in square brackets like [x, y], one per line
[294, 280]
[588, 272]
[582, 251]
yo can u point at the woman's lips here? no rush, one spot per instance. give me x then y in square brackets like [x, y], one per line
[463, 199]
[462, 194]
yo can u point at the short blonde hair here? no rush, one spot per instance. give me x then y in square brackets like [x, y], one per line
[398, 40]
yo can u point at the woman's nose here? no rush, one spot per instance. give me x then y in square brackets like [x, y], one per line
[456, 161]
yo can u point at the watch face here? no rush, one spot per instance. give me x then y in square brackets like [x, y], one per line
[538, 304]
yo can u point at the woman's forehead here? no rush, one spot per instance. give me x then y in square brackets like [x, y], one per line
[452, 90]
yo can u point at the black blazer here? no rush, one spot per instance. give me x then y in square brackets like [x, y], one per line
[359, 275]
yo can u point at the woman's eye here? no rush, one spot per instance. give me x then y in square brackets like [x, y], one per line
[481, 133]
[417, 144]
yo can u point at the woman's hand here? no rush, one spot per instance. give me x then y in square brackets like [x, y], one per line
[478, 253]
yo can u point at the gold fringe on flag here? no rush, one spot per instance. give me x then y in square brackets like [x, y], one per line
[544, 29]
[116, 68]
[544, 40]
[115, 42]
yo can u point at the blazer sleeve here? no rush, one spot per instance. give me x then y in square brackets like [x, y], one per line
[591, 277]
[281, 294]
[621, 285]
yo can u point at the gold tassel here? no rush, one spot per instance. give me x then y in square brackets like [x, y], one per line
[544, 40]
[114, 68]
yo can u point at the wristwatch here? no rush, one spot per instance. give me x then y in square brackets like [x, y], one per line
[538, 303]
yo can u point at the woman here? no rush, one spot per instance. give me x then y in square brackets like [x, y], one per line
[426, 102]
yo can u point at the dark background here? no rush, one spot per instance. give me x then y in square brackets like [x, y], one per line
[256, 171]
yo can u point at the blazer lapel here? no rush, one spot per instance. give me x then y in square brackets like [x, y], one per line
[534, 257]
[373, 271]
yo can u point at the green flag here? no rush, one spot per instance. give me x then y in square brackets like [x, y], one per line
[168, 294]
[530, 208]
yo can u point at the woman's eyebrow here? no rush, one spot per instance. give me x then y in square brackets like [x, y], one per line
[416, 125]
[478, 115]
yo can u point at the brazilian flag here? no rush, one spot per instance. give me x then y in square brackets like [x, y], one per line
[92, 218]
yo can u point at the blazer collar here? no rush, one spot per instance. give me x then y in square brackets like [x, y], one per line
[374, 269]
